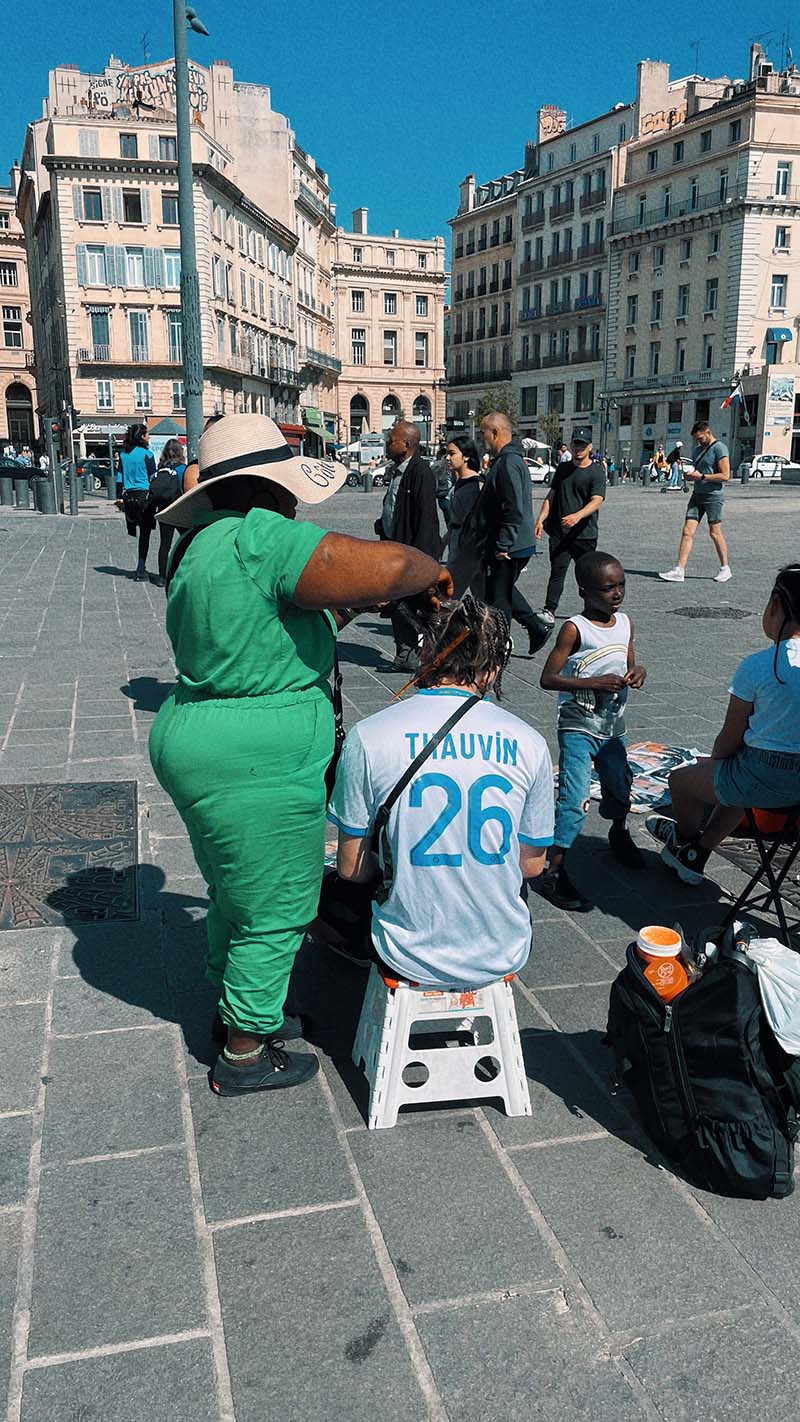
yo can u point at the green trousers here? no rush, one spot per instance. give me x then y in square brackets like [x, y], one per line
[247, 778]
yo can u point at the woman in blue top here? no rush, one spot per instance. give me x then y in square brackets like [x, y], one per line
[135, 468]
[755, 762]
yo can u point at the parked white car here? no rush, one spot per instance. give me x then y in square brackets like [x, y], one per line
[771, 466]
[540, 473]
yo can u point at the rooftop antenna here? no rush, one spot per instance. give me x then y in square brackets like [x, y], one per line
[145, 43]
[695, 45]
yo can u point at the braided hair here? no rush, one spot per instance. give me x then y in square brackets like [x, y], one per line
[787, 592]
[463, 641]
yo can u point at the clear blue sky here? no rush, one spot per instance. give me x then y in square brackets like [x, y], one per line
[399, 102]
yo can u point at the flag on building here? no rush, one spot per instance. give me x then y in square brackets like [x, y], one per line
[736, 397]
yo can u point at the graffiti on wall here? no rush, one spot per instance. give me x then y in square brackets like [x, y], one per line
[153, 86]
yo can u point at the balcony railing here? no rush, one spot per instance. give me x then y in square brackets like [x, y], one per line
[457, 338]
[591, 249]
[494, 285]
[505, 329]
[481, 288]
[549, 362]
[482, 244]
[480, 334]
[458, 294]
[469, 294]
[140, 354]
[91, 354]
[483, 377]
[557, 308]
[596, 198]
[320, 359]
[584, 356]
[590, 303]
[492, 331]
[561, 259]
[470, 248]
[533, 219]
[530, 313]
[744, 191]
[507, 283]
[562, 209]
[532, 264]
[529, 363]
[508, 235]
[676, 379]
[459, 250]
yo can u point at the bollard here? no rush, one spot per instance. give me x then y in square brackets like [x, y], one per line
[6, 490]
[43, 496]
[111, 485]
[22, 493]
[88, 484]
[613, 478]
[744, 473]
[367, 481]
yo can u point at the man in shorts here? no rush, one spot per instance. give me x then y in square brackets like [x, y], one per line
[712, 470]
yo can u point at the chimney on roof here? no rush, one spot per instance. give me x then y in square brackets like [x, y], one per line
[466, 191]
[395, 232]
[360, 221]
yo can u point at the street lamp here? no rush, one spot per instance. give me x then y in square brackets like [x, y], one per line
[471, 415]
[607, 403]
[190, 282]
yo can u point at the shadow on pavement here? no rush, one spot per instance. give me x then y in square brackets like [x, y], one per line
[146, 692]
[117, 572]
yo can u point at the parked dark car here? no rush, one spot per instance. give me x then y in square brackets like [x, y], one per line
[96, 466]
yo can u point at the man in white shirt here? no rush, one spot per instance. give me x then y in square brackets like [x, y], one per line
[473, 823]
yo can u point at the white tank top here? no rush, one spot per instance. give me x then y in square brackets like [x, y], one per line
[603, 651]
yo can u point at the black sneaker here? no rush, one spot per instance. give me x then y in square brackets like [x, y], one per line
[406, 662]
[290, 1030]
[159, 582]
[556, 886]
[537, 636]
[684, 856]
[623, 847]
[272, 1070]
[140, 576]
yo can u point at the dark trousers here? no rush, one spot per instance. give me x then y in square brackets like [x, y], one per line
[502, 592]
[166, 534]
[404, 632]
[562, 551]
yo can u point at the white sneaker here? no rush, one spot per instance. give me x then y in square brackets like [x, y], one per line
[724, 575]
[546, 616]
[675, 575]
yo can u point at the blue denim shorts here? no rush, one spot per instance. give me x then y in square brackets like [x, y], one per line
[758, 779]
[709, 502]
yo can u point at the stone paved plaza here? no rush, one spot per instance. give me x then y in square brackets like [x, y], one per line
[169, 1257]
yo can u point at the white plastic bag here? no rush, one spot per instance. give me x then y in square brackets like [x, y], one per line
[779, 983]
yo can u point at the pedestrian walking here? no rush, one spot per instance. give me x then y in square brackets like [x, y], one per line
[711, 472]
[135, 468]
[507, 515]
[414, 521]
[165, 487]
[569, 516]
[564, 455]
[592, 666]
[466, 538]
[243, 741]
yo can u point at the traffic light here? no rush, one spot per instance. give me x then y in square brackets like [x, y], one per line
[55, 428]
[76, 416]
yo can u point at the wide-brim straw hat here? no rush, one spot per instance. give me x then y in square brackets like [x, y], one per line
[253, 445]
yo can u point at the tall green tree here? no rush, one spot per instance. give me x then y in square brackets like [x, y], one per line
[500, 397]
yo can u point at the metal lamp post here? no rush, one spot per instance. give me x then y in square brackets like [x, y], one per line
[190, 282]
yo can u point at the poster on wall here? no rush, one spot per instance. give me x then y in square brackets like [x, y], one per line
[780, 400]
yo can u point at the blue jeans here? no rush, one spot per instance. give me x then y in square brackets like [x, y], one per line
[577, 753]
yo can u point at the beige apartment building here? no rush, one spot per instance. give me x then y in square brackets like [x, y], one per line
[704, 270]
[315, 224]
[98, 202]
[482, 316]
[389, 312]
[18, 399]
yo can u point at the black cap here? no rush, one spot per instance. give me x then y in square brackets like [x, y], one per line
[582, 434]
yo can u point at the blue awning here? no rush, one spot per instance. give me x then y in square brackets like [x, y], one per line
[779, 333]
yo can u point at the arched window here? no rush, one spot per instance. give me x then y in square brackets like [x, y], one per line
[19, 414]
[422, 417]
[359, 415]
[391, 410]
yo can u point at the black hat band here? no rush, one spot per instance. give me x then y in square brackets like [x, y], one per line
[246, 461]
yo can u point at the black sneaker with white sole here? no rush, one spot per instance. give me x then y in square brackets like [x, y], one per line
[273, 1069]
[684, 856]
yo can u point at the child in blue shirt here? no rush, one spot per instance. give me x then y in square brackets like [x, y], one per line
[755, 762]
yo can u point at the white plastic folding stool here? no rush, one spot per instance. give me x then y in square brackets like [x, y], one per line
[392, 1007]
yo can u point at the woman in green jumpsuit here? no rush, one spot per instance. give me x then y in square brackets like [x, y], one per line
[242, 743]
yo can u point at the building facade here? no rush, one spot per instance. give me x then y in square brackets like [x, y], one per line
[704, 271]
[98, 202]
[315, 224]
[18, 398]
[389, 313]
[482, 293]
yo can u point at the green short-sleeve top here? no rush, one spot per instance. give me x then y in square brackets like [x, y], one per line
[230, 617]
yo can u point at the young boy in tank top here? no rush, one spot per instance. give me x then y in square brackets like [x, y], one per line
[592, 667]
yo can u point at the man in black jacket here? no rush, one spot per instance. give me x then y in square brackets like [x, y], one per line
[415, 521]
[507, 514]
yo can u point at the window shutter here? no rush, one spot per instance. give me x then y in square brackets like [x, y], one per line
[149, 268]
[116, 194]
[153, 138]
[83, 266]
[145, 196]
[121, 263]
[105, 201]
[159, 270]
[77, 201]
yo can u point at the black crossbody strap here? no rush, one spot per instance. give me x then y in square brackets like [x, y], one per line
[408, 774]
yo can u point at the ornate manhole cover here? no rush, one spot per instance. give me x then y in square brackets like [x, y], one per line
[68, 853]
[733, 614]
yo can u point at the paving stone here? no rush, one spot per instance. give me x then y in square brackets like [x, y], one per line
[125, 1228]
[111, 1092]
[469, 1233]
[15, 1152]
[524, 1357]
[10, 1241]
[561, 954]
[121, 983]
[25, 963]
[282, 1172]
[721, 1370]
[631, 1213]
[22, 1033]
[351, 1363]
[172, 1382]
[767, 1233]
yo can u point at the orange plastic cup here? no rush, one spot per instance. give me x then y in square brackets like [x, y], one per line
[659, 947]
[656, 942]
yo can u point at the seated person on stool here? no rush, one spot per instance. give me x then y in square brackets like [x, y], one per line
[471, 826]
[755, 762]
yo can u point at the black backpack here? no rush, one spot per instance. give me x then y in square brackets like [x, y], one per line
[715, 1091]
